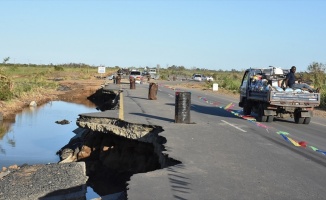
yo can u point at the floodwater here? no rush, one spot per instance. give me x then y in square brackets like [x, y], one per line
[34, 137]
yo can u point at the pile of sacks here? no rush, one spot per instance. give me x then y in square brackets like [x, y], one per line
[259, 84]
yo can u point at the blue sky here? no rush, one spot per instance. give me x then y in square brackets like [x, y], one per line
[212, 34]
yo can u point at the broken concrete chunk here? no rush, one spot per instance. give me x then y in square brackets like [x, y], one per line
[140, 132]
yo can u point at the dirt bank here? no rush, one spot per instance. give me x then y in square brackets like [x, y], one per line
[69, 90]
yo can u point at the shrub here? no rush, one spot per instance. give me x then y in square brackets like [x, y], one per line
[230, 83]
[323, 97]
[58, 68]
[5, 93]
[163, 77]
[5, 87]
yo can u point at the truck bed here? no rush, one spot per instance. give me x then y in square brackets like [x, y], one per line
[286, 98]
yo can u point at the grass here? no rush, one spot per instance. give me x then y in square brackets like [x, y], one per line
[19, 80]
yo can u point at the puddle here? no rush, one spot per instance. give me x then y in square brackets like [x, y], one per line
[34, 137]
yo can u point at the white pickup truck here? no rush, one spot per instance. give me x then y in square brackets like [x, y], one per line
[136, 75]
[260, 92]
[197, 77]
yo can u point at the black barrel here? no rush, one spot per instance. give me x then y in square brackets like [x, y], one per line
[182, 107]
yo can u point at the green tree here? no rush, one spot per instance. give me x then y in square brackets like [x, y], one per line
[318, 72]
[6, 60]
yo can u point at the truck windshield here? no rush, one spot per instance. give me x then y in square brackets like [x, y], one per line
[135, 73]
[244, 79]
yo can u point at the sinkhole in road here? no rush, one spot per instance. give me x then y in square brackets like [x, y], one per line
[112, 159]
[113, 149]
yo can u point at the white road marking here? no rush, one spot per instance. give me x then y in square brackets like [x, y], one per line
[318, 123]
[234, 126]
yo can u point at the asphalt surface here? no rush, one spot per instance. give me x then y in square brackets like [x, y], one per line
[224, 156]
[51, 181]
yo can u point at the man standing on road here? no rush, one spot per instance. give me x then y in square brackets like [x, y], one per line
[290, 81]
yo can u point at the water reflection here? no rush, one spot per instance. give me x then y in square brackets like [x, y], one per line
[34, 137]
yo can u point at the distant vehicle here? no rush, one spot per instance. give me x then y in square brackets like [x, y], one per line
[197, 77]
[145, 73]
[152, 71]
[209, 78]
[136, 75]
[111, 77]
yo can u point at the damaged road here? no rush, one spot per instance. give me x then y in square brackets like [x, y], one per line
[219, 155]
[113, 150]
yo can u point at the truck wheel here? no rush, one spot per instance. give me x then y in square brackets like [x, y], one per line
[270, 118]
[298, 119]
[307, 120]
[261, 117]
[246, 108]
